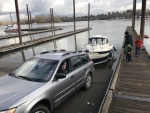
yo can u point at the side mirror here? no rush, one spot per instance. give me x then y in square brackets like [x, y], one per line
[60, 75]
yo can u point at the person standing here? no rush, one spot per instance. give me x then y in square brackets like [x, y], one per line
[128, 49]
[139, 45]
[128, 38]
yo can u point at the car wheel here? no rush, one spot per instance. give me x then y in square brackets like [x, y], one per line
[40, 109]
[88, 82]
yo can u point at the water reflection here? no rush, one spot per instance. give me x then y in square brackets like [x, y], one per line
[75, 41]
[89, 33]
[54, 40]
[23, 56]
[33, 51]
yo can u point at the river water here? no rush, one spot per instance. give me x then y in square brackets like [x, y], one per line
[114, 29]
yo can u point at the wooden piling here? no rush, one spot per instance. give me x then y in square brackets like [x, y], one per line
[53, 25]
[74, 24]
[88, 15]
[28, 17]
[53, 32]
[134, 13]
[18, 21]
[143, 18]
[51, 17]
[30, 20]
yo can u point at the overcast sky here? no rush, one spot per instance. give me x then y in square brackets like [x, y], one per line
[65, 7]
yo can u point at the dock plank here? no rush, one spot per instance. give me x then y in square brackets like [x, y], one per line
[133, 81]
[128, 106]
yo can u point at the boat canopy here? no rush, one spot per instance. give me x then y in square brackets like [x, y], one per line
[98, 39]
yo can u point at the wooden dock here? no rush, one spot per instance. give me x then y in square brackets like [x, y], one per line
[40, 29]
[131, 94]
[16, 47]
[31, 33]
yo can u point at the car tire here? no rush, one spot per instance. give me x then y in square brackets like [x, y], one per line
[88, 82]
[40, 109]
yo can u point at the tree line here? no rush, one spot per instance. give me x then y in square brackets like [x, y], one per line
[110, 15]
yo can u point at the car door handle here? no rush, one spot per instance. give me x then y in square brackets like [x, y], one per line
[84, 69]
[72, 77]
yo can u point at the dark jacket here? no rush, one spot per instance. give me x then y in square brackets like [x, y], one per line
[63, 71]
[128, 38]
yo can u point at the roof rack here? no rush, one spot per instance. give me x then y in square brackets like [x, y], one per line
[72, 52]
[51, 51]
[66, 54]
[45, 52]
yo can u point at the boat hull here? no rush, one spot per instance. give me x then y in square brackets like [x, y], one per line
[100, 60]
[97, 55]
[11, 30]
[100, 57]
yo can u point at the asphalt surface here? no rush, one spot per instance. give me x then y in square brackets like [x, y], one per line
[89, 101]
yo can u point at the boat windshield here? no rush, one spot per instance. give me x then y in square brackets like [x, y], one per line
[97, 41]
[9, 27]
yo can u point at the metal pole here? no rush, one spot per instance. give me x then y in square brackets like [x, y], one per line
[74, 24]
[134, 13]
[30, 20]
[28, 17]
[51, 17]
[74, 14]
[53, 20]
[55, 47]
[88, 15]
[143, 18]
[18, 21]
[11, 20]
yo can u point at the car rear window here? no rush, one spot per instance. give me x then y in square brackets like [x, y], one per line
[76, 62]
[85, 59]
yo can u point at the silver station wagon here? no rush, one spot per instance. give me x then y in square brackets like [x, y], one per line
[44, 81]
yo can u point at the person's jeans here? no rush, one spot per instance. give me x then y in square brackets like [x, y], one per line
[137, 51]
[128, 57]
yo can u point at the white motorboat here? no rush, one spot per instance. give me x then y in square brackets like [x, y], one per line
[99, 48]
